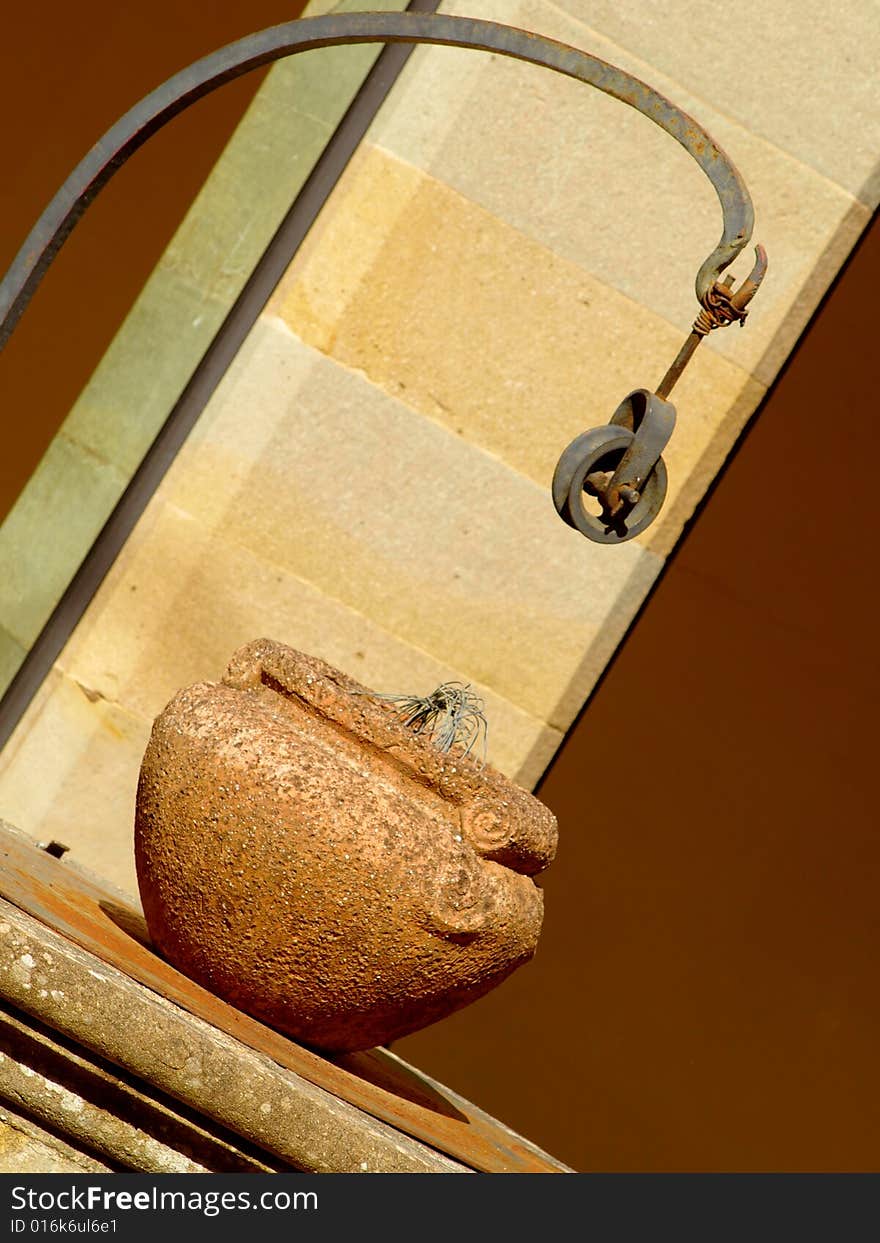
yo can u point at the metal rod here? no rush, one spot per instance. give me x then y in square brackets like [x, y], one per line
[208, 373]
[681, 360]
[199, 79]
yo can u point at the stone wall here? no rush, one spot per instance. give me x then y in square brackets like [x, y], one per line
[507, 256]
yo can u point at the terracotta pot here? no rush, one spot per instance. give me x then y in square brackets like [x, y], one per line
[306, 856]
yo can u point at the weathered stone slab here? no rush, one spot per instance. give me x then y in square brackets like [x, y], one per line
[93, 1003]
[599, 185]
[805, 78]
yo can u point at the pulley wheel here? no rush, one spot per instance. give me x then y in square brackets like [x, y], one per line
[601, 449]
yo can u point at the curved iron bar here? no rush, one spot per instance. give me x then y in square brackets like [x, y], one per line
[305, 34]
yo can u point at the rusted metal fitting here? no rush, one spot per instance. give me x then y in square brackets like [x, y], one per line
[619, 465]
[723, 305]
[632, 490]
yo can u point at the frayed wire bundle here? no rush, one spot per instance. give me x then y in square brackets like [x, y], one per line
[451, 716]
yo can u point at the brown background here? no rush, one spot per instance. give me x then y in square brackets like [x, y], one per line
[69, 72]
[705, 993]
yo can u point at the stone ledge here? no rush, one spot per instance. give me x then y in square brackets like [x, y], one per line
[190, 1095]
[71, 991]
[28, 1148]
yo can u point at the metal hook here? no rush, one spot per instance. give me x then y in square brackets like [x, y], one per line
[719, 306]
[747, 290]
[723, 305]
[740, 298]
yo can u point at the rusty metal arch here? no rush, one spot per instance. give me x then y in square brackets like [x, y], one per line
[230, 62]
[631, 491]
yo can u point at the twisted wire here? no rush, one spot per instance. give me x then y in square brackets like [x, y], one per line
[718, 311]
